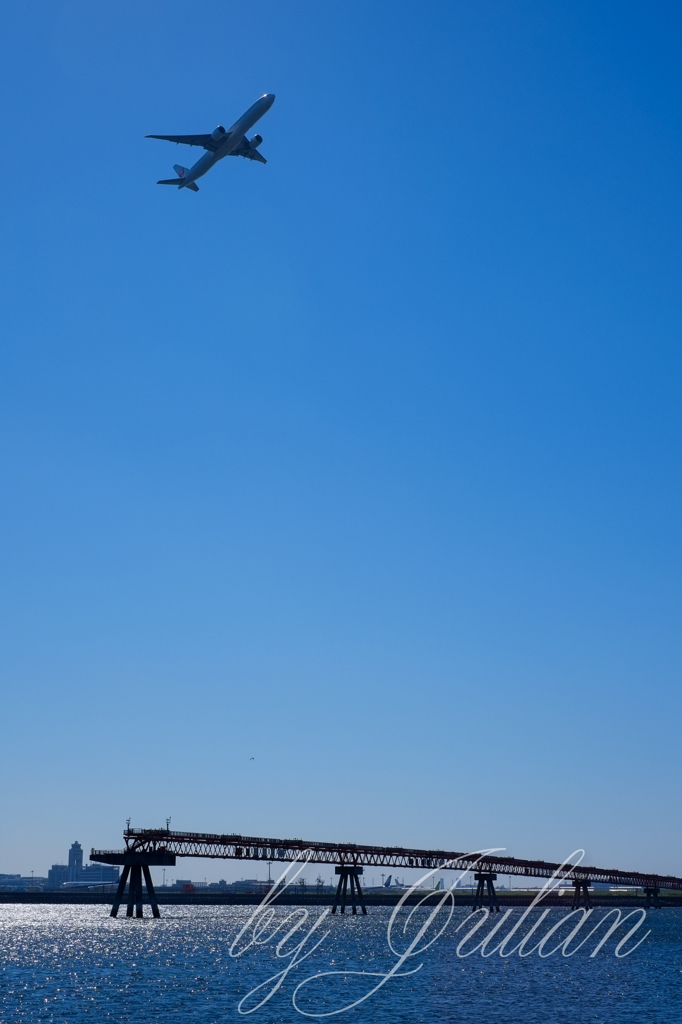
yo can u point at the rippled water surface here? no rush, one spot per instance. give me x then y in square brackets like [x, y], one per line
[78, 964]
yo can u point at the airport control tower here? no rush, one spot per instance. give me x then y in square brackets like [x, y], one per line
[75, 862]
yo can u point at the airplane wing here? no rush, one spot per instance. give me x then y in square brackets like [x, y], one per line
[189, 140]
[245, 150]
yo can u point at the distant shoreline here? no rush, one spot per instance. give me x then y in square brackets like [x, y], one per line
[199, 899]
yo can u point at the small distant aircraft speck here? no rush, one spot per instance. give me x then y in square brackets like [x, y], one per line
[218, 144]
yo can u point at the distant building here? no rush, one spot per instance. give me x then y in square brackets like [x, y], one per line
[93, 874]
[250, 885]
[60, 874]
[244, 885]
[11, 882]
[75, 862]
[21, 883]
[98, 873]
[57, 875]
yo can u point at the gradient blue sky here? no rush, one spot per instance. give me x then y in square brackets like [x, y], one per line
[364, 464]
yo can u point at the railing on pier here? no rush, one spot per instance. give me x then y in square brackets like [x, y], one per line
[150, 841]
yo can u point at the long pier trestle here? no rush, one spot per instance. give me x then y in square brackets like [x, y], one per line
[349, 873]
[148, 847]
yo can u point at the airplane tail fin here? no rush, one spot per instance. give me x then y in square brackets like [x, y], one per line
[387, 883]
[182, 173]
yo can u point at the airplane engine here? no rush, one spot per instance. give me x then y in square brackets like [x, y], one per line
[218, 133]
[255, 142]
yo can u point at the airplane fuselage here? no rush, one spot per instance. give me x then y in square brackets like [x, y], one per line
[231, 139]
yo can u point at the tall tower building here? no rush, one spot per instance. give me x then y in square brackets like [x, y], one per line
[75, 862]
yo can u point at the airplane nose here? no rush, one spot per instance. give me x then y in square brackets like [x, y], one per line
[270, 98]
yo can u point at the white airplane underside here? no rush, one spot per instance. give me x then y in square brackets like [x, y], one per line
[220, 143]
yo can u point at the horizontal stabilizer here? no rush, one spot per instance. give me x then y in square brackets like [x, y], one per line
[178, 181]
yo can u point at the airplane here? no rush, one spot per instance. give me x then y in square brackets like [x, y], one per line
[380, 888]
[218, 144]
[83, 885]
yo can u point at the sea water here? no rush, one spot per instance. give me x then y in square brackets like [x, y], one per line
[78, 964]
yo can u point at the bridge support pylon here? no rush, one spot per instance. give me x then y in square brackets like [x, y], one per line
[585, 888]
[134, 865]
[652, 893]
[132, 873]
[349, 873]
[486, 878]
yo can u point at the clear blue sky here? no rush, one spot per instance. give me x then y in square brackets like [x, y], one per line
[365, 463]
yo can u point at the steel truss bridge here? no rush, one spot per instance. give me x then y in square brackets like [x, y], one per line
[150, 846]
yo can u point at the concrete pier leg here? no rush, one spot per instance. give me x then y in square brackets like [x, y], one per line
[578, 888]
[492, 895]
[349, 874]
[130, 909]
[118, 898]
[652, 899]
[352, 880]
[138, 891]
[338, 894]
[360, 894]
[150, 891]
[344, 892]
